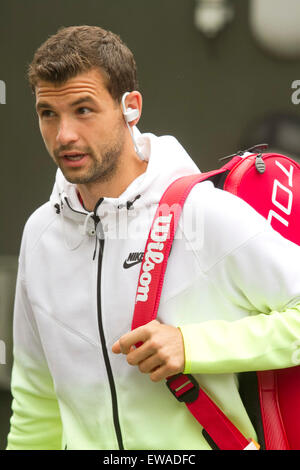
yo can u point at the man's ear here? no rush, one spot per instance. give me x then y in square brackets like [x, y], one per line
[132, 107]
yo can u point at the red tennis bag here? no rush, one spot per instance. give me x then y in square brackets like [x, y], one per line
[270, 183]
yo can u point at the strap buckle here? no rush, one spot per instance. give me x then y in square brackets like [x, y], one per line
[184, 387]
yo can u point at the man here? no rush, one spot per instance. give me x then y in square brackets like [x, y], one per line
[230, 301]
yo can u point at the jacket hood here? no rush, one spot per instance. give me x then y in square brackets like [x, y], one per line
[167, 161]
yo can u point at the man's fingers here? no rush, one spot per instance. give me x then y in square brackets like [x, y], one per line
[139, 335]
[137, 355]
[158, 369]
[160, 373]
[161, 353]
[116, 348]
[130, 339]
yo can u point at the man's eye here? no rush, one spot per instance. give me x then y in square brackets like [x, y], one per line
[47, 113]
[84, 110]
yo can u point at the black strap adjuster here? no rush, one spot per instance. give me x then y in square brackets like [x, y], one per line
[184, 387]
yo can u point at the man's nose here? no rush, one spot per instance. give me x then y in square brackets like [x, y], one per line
[66, 132]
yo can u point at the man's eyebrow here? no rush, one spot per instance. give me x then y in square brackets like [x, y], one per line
[83, 99]
[42, 105]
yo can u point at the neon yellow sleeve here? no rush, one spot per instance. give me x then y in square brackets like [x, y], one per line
[259, 342]
[35, 423]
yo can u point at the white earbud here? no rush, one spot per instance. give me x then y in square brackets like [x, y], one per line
[130, 115]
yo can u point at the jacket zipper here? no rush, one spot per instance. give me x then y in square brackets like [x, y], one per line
[101, 330]
[103, 343]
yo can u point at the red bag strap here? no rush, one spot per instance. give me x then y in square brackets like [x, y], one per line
[159, 244]
[184, 387]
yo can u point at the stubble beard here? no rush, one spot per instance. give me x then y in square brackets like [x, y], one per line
[100, 170]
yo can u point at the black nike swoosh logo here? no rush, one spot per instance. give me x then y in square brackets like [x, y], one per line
[127, 264]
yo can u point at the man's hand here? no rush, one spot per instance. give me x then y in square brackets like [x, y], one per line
[160, 355]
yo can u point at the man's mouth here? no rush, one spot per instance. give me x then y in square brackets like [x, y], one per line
[73, 157]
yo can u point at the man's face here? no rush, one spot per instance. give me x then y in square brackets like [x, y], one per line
[82, 127]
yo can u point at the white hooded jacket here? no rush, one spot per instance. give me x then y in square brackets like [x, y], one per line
[232, 285]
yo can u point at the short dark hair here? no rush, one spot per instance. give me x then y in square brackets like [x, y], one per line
[76, 49]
